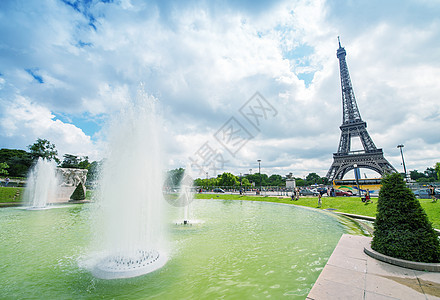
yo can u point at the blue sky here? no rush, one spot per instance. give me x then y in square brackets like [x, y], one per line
[66, 66]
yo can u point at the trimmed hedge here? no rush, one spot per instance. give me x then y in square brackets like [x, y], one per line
[402, 229]
[78, 193]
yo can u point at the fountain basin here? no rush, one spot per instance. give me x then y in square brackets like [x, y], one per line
[242, 250]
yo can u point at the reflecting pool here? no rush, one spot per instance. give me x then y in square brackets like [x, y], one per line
[241, 249]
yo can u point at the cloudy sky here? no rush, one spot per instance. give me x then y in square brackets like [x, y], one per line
[66, 66]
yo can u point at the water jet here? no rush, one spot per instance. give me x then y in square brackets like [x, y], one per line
[41, 186]
[130, 195]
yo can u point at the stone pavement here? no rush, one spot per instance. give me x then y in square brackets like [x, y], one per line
[351, 274]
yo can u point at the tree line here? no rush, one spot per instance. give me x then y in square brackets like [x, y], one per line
[228, 179]
[429, 175]
[16, 163]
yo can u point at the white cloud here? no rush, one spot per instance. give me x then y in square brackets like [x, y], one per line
[29, 121]
[203, 61]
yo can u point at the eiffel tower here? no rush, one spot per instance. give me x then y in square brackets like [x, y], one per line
[353, 126]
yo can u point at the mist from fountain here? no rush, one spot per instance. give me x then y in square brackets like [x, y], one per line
[130, 200]
[186, 197]
[186, 194]
[41, 186]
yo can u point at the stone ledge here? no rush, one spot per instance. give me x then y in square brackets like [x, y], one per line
[420, 266]
[354, 216]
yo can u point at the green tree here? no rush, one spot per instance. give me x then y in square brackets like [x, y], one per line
[276, 180]
[206, 182]
[313, 178]
[213, 182]
[200, 182]
[93, 171]
[429, 175]
[430, 172]
[70, 161]
[402, 229]
[19, 161]
[174, 177]
[3, 167]
[43, 148]
[300, 182]
[414, 175]
[437, 170]
[78, 193]
[84, 163]
[425, 179]
[245, 182]
[252, 178]
[228, 179]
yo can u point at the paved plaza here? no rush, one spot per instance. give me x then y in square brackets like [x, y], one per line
[351, 274]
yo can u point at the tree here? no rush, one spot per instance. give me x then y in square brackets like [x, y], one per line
[45, 149]
[93, 171]
[429, 175]
[75, 162]
[437, 170]
[245, 182]
[3, 167]
[200, 182]
[78, 193]
[414, 175]
[84, 163]
[300, 182]
[206, 182]
[253, 178]
[70, 161]
[313, 178]
[276, 180]
[175, 176]
[213, 182]
[402, 229]
[19, 161]
[430, 172]
[228, 179]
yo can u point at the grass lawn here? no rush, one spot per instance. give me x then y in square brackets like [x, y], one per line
[352, 205]
[11, 194]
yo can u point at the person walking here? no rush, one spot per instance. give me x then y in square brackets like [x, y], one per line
[7, 181]
[432, 193]
[319, 200]
[367, 196]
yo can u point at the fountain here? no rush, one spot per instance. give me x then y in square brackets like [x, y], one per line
[130, 213]
[41, 187]
[246, 250]
[186, 196]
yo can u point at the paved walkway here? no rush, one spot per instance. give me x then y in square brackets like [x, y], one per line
[351, 274]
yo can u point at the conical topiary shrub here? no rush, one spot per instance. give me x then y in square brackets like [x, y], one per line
[402, 229]
[78, 193]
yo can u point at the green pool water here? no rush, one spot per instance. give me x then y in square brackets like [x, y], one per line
[243, 250]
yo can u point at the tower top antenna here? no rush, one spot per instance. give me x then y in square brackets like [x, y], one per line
[339, 41]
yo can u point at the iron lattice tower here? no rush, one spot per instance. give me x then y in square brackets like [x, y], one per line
[353, 126]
